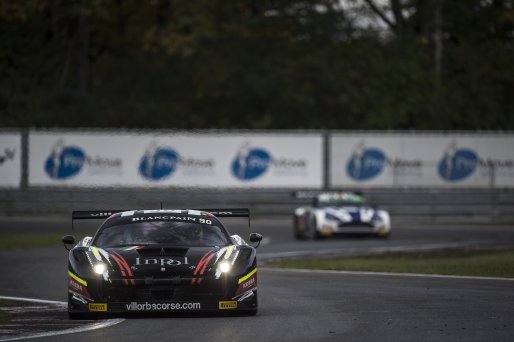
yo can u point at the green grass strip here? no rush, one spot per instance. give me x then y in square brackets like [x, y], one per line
[33, 240]
[4, 317]
[479, 263]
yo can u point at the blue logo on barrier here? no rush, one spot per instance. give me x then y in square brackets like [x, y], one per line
[365, 163]
[64, 161]
[250, 163]
[158, 163]
[457, 164]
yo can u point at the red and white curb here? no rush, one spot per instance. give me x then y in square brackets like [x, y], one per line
[86, 327]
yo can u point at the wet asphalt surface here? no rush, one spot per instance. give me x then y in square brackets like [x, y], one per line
[303, 306]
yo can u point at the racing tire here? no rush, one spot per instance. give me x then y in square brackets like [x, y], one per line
[297, 234]
[311, 232]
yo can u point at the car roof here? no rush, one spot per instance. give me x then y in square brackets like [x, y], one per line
[340, 196]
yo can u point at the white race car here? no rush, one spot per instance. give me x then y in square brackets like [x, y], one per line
[339, 212]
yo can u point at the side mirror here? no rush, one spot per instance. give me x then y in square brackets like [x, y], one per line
[68, 240]
[256, 237]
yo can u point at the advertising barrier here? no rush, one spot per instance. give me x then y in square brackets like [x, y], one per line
[10, 159]
[176, 159]
[421, 160]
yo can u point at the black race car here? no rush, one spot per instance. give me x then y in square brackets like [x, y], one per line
[161, 261]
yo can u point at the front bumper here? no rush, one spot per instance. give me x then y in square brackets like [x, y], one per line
[328, 229]
[162, 295]
[249, 302]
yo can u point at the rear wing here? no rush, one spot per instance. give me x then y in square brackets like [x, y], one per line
[104, 214]
[92, 215]
[314, 194]
[231, 212]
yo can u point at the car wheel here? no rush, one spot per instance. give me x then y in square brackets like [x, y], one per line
[311, 232]
[297, 234]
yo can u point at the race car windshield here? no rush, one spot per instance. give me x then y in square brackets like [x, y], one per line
[341, 204]
[161, 232]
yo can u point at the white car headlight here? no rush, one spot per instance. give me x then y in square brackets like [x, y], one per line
[100, 268]
[224, 266]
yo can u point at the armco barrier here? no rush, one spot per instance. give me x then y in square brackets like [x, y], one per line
[416, 205]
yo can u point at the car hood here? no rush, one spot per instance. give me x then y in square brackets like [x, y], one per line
[154, 261]
[350, 214]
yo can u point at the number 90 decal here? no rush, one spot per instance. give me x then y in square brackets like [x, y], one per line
[201, 220]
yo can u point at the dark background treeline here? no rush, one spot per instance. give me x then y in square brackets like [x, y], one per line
[270, 64]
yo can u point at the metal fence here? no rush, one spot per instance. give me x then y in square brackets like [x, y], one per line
[441, 205]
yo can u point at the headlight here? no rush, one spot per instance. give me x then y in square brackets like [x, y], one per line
[99, 268]
[224, 266]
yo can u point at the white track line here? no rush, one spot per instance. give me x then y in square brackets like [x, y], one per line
[91, 326]
[418, 275]
[33, 300]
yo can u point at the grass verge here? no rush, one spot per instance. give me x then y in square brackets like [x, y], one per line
[483, 263]
[4, 317]
[32, 240]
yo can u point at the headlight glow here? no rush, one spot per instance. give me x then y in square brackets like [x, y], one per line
[224, 266]
[99, 268]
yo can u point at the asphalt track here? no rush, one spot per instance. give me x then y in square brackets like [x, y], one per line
[309, 306]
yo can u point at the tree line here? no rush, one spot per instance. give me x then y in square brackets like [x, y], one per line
[258, 64]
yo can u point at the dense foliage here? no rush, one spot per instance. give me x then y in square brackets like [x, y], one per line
[354, 64]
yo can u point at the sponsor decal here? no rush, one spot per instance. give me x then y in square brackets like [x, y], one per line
[98, 307]
[253, 162]
[161, 162]
[246, 285]
[66, 161]
[7, 155]
[457, 163]
[168, 218]
[135, 306]
[76, 287]
[77, 279]
[158, 162]
[366, 163]
[161, 262]
[227, 305]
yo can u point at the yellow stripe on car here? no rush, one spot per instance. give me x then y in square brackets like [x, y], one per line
[77, 279]
[96, 253]
[247, 276]
[229, 252]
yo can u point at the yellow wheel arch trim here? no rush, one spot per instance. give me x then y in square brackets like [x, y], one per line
[247, 276]
[75, 277]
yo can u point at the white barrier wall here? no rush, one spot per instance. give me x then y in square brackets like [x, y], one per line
[201, 160]
[10, 159]
[439, 160]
